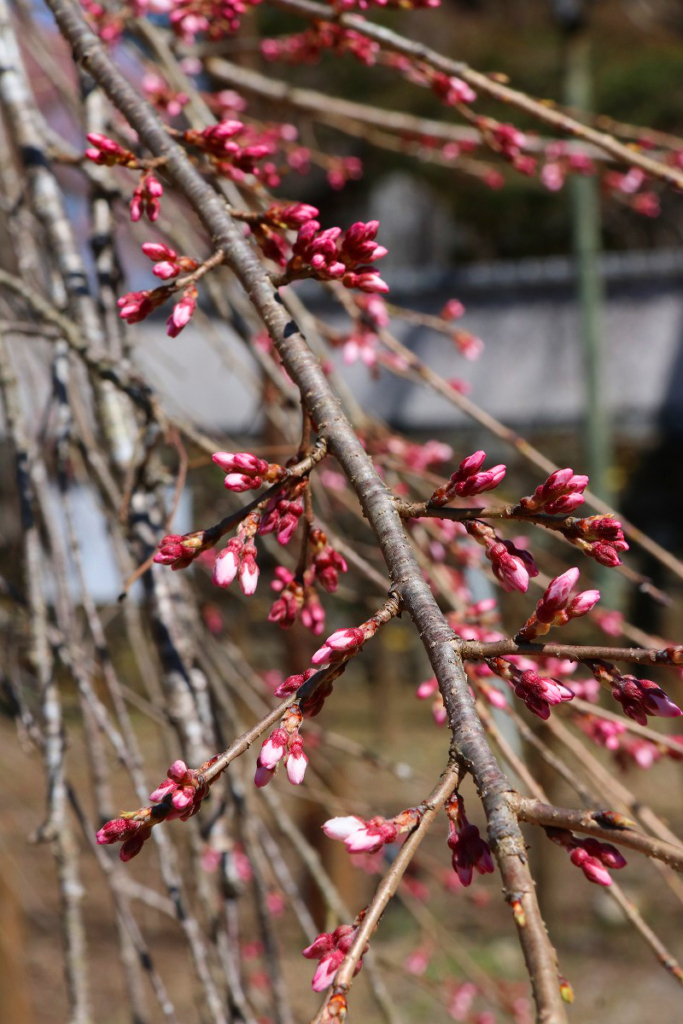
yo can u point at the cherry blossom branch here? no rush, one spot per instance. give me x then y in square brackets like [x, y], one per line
[478, 650]
[336, 1002]
[469, 740]
[419, 371]
[540, 110]
[603, 825]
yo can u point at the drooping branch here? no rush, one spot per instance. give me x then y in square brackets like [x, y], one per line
[478, 650]
[335, 1003]
[603, 825]
[541, 110]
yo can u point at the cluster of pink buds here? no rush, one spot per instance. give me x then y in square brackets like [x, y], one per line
[146, 200]
[297, 599]
[180, 550]
[641, 752]
[342, 643]
[638, 697]
[560, 161]
[183, 789]
[604, 732]
[330, 948]
[360, 836]
[283, 745]
[213, 18]
[363, 5]
[182, 312]
[323, 37]
[326, 562]
[238, 558]
[108, 25]
[167, 262]
[627, 750]
[539, 693]
[343, 169]
[263, 228]
[363, 342]
[246, 472]
[130, 833]
[512, 566]
[292, 683]
[137, 306]
[469, 479]
[461, 1001]
[293, 216]
[560, 494]
[557, 607]
[469, 851]
[508, 140]
[282, 513]
[108, 153]
[285, 611]
[469, 345]
[452, 90]
[323, 255]
[600, 537]
[232, 158]
[180, 795]
[161, 96]
[592, 856]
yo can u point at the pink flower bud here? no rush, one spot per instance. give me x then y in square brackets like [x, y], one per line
[292, 683]
[226, 564]
[262, 775]
[177, 771]
[243, 461]
[582, 603]
[158, 251]
[166, 270]
[427, 689]
[605, 554]
[342, 828]
[453, 310]
[131, 848]
[248, 570]
[508, 569]
[182, 313]
[472, 463]
[321, 946]
[372, 836]
[327, 968]
[182, 798]
[591, 867]
[273, 749]
[239, 482]
[157, 795]
[116, 831]
[296, 763]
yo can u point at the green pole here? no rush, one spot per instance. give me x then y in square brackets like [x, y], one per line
[586, 237]
[586, 231]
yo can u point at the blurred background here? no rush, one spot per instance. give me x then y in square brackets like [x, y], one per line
[576, 295]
